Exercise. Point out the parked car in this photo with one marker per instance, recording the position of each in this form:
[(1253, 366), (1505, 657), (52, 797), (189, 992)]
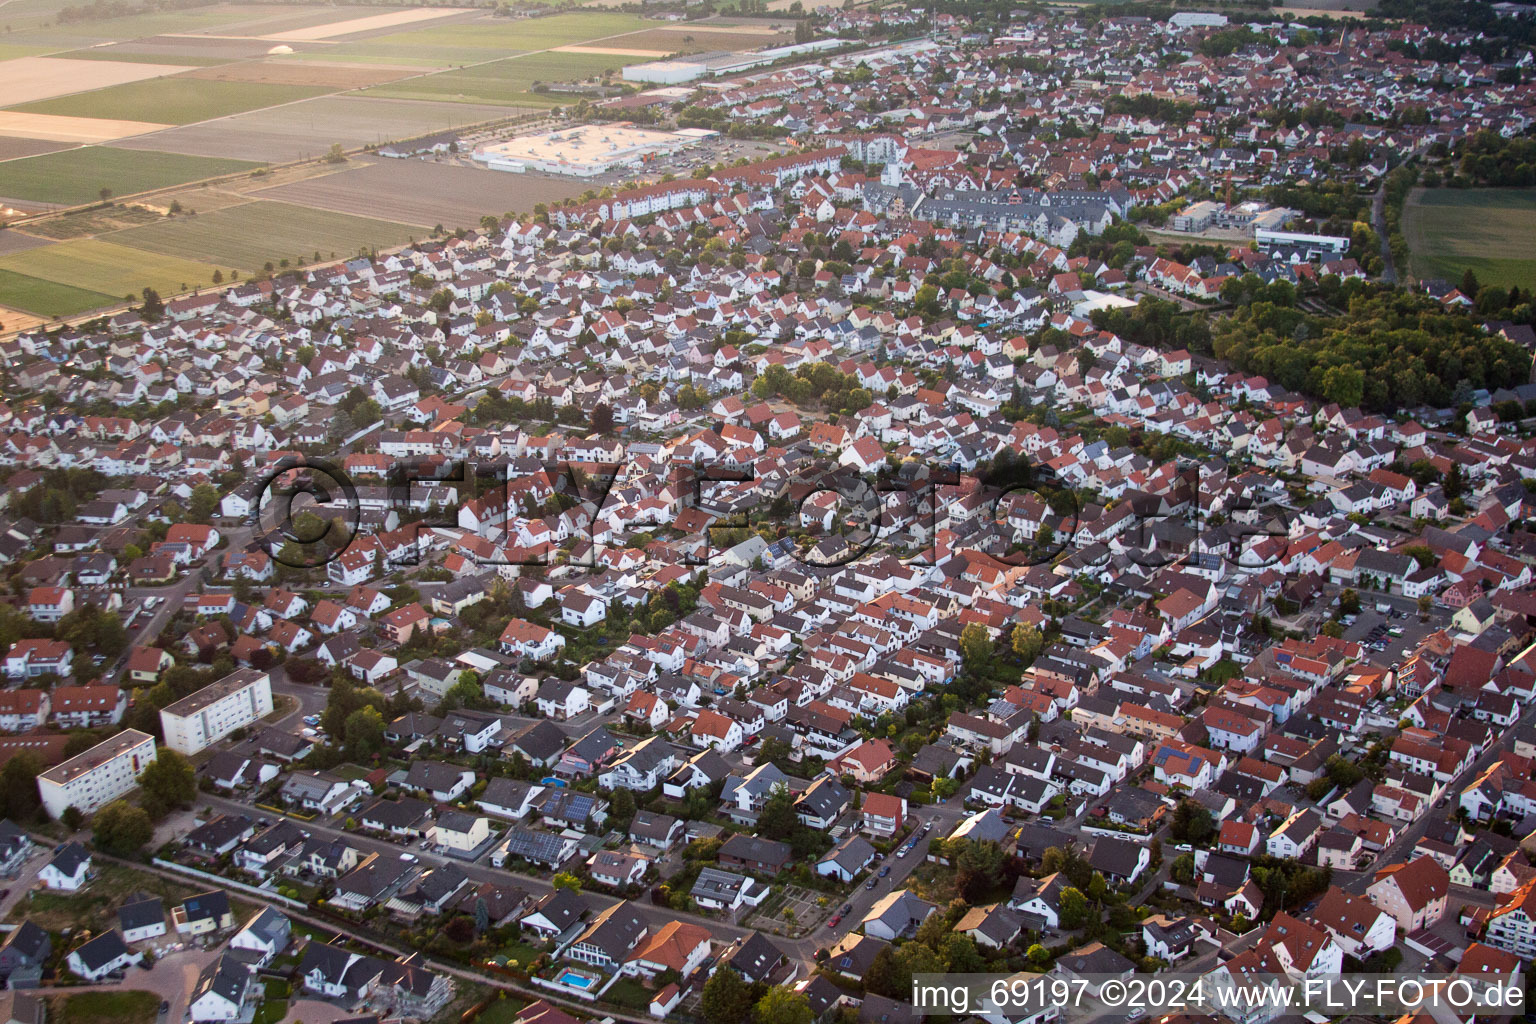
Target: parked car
[(885, 871), (869, 884)]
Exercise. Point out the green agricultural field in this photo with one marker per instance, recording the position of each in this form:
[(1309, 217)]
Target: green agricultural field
[(507, 81), (111, 269), (190, 60), (174, 100), (46, 298), (78, 175), (466, 42), (247, 237), (1486, 229)]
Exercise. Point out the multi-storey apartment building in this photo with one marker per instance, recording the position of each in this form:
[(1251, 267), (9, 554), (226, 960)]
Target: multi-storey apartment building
[(100, 775), (197, 721)]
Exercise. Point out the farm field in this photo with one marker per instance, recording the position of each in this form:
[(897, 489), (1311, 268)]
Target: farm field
[(16, 241), (466, 42), (30, 79), (1486, 230), (12, 148), (307, 129), (247, 237), (426, 193), (699, 39), (179, 100), (365, 23), (46, 298), (506, 81), (78, 175), (184, 60), (101, 266), (189, 50), (322, 76)]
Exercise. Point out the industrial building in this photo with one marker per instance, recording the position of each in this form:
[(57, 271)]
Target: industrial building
[(721, 62)]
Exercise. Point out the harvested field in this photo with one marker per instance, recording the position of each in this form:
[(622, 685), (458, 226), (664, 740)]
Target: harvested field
[(611, 51), (41, 78), (308, 129), (179, 100), (698, 40), (247, 237), (326, 76), (11, 148), (183, 60), (46, 298), (487, 38), (506, 81), (265, 19), (78, 175), (101, 266), (55, 128), (181, 49), (15, 241), (426, 193), (15, 320), (370, 23)]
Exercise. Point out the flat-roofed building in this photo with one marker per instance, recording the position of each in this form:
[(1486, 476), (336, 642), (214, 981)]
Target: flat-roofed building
[(197, 721), (98, 776)]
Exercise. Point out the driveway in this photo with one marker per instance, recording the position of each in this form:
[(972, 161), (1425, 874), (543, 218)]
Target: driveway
[(171, 979), (315, 1011)]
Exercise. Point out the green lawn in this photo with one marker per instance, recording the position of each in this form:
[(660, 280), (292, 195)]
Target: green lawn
[(115, 1007), (506, 81), (1489, 230), (173, 100), (111, 269), (246, 237), (46, 298), (501, 1011), (74, 176)]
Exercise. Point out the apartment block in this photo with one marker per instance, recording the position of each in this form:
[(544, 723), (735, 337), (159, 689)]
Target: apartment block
[(100, 775), (197, 721)]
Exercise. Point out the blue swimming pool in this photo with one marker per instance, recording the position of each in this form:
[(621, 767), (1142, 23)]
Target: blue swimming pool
[(573, 980)]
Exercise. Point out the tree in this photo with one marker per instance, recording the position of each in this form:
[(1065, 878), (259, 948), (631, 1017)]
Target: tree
[(1074, 908), (168, 783), (1027, 642), (18, 787), (153, 308), (363, 732), (1192, 823), (205, 499), (978, 867), (1038, 955), (566, 880), (783, 1005), (602, 418), (1182, 869), (72, 818), (975, 645), (122, 829), (335, 155), (777, 818), (622, 807), (726, 998)]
